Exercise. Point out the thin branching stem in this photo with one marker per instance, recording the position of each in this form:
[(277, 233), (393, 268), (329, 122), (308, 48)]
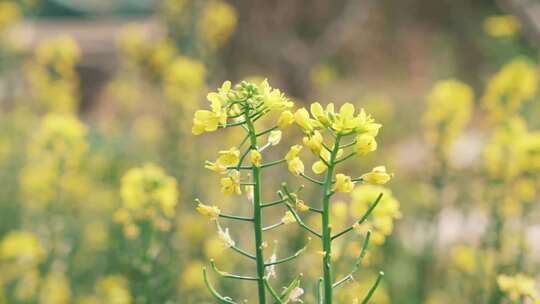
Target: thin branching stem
[(236, 217), (267, 131), (220, 298), (231, 276), (292, 257), (311, 179), (243, 252), (373, 288), (270, 164), (363, 218), (273, 203), (273, 226), (345, 158)]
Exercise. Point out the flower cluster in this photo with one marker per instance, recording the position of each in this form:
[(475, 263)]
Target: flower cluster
[(55, 152), (508, 89), (230, 103), (52, 75), (450, 105), (9, 14), (518, 286), (147, 194), (342, 123), (217, 23)]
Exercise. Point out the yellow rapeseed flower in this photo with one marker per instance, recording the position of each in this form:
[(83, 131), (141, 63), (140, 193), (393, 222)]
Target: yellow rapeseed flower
[(9, 14), (210, 211), (449, 109), (217, 23), (256, 157), (285, 119), (501, 26), (231, 184), (113, 289), (515, 83), (517, 286), (377, 176), (365, 143), (343, 183), (147, 189)]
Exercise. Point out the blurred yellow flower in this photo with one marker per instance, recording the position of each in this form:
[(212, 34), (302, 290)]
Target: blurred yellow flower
[(464, 258), (515, 83), (449, 109), (382, 217), (184, 82), (52, 74), (147, 189), (501, 26), (517, 286), (55, 289), (22, 248), (9, 14), (113, 289), (217, 23)]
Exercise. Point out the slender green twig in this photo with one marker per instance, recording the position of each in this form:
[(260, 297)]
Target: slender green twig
[(270, 164), (273, 226), (363, 218), (272, 291), (220, 298), (345, 158), (236, 217), (295, 255), (273, 203), (311, 179), (267, 131), (298, 219), (229, 275), (373, 288), (243, 252)]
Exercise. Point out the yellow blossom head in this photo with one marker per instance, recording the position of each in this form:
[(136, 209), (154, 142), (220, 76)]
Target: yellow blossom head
[(377, 176)]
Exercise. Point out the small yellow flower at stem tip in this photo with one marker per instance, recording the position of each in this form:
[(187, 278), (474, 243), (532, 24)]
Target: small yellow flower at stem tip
[(343, 183), (318, 167), (314, 142), (293, 152), (231, 184), (288, 218), (256, 158), (301, 206), (296, 166), (365, 143), (211, 212), (377, 176), (302, 119), (285, 119)]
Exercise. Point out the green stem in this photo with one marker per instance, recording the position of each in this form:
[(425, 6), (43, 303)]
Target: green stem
[(257, 214), (326, 227)]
